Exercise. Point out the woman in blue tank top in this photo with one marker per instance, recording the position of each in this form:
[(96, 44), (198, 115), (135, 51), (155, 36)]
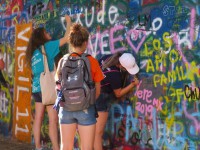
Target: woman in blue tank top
[(34, 58)]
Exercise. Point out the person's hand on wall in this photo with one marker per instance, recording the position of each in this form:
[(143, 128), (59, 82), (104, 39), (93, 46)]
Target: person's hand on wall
[(68, 25), (67, 18), (135, 81)]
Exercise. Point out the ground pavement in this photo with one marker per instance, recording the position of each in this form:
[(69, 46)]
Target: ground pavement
[(12, 144)]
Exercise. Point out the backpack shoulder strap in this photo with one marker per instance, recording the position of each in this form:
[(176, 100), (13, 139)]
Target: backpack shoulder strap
[(61, 64), (65, 58), (84, 56)]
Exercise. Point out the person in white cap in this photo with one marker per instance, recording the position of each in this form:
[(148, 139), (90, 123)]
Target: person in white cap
[(113, 67)]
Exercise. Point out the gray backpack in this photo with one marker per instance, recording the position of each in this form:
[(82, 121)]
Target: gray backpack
[(77, 87)]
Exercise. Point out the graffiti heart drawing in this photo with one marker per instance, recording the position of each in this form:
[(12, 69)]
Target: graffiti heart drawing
[(135, 35)]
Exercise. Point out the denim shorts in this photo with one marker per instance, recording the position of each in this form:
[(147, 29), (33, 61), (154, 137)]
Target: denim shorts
[(83, 117), (37, 97), (103, 103)]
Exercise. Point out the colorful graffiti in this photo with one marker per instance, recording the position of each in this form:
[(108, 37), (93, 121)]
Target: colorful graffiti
[(164, 36)]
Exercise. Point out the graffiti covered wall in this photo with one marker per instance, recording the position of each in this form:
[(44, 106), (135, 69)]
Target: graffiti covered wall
[(163, 35)]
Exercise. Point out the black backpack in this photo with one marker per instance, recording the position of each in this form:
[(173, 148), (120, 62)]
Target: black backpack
[(77, 87)]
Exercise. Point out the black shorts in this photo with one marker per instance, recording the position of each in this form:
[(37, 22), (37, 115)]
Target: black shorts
[(103, 103), (37, 97)]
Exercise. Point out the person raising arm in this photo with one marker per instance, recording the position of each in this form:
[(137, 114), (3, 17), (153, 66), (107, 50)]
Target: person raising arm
[(34, 58)]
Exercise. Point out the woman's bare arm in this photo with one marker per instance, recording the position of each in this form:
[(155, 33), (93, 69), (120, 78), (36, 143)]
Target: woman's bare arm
[(65, 39)]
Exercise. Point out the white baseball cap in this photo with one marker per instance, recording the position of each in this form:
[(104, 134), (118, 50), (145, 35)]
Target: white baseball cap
[(128, 61)]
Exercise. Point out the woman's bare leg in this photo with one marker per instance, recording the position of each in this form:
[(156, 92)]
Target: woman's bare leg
[(100, 126), (38, 119), (87, 134), (53, 126), (67, 133)]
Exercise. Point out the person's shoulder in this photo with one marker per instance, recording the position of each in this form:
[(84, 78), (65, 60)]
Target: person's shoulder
[(92, 59), (49, 43), (64, 57), (90, 56)]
